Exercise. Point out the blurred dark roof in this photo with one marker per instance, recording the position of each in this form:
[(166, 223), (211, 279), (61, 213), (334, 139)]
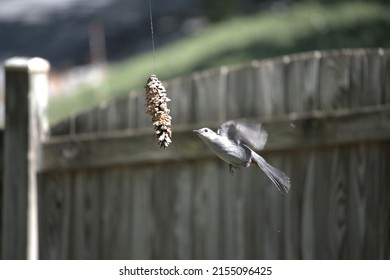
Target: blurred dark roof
[(58, 30)]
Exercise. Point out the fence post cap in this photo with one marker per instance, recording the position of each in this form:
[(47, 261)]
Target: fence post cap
[(16, 63), (35, 64)]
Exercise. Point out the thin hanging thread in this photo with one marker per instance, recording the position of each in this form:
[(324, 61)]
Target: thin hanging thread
[(151, 29)]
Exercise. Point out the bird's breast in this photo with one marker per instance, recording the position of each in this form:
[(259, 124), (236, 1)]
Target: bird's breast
[(230, 152)]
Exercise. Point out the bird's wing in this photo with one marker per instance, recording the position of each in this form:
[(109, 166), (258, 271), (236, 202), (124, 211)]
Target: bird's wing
[(249, 133)]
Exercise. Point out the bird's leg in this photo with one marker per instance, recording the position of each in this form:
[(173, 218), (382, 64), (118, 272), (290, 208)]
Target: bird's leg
[(231, 167)]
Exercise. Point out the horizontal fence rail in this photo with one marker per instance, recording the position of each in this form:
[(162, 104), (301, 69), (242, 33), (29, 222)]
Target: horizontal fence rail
[(290, 133)]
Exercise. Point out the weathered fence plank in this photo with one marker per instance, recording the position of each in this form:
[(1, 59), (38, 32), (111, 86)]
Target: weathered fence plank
[(206, 206), (183, 180), (56, 215), (86, 228), (116, 202), (142, 217)]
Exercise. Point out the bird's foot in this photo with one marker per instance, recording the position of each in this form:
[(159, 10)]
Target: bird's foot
[(231, 169)]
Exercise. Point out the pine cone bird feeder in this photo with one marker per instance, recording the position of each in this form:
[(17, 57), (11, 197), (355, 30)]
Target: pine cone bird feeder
[(156, 106)]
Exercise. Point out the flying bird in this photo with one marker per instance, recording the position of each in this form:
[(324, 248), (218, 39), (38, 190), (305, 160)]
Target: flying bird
[(235, 142)]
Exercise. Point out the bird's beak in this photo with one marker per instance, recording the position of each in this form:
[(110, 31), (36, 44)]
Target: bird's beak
[(196, 130)]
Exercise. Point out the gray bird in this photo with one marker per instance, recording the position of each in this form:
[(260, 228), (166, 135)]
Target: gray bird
[(231, 143)]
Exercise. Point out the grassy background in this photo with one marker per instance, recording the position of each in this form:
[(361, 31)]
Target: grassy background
[(303, 27)]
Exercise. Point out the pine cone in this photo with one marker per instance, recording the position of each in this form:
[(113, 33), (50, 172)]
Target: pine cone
[(156, 106)]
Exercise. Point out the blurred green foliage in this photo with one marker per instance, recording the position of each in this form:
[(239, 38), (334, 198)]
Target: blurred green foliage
[(303, 27)]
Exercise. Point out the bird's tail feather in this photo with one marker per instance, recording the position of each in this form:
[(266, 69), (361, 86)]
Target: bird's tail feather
[(278, 177)]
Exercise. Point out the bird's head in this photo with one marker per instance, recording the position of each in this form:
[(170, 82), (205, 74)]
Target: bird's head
[(205, 133)]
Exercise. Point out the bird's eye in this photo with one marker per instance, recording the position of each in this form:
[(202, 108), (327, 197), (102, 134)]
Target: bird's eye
[(206, 130)]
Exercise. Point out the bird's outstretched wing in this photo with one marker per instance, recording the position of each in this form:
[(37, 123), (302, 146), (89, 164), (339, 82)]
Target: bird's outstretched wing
[(249, 133)]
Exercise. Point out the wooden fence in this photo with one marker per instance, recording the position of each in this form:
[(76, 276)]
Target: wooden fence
[(106, 191)]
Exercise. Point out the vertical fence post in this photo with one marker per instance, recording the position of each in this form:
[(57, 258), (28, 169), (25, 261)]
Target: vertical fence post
[(26, 95)]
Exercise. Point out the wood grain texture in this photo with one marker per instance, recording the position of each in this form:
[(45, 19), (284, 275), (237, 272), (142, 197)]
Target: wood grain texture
[(16, 179), (183, 181), (194, 209), (116, 213), (55, 215)]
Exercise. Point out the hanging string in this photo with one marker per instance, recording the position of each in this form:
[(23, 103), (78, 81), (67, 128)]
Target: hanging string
[(157, 101), (151, 30)]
